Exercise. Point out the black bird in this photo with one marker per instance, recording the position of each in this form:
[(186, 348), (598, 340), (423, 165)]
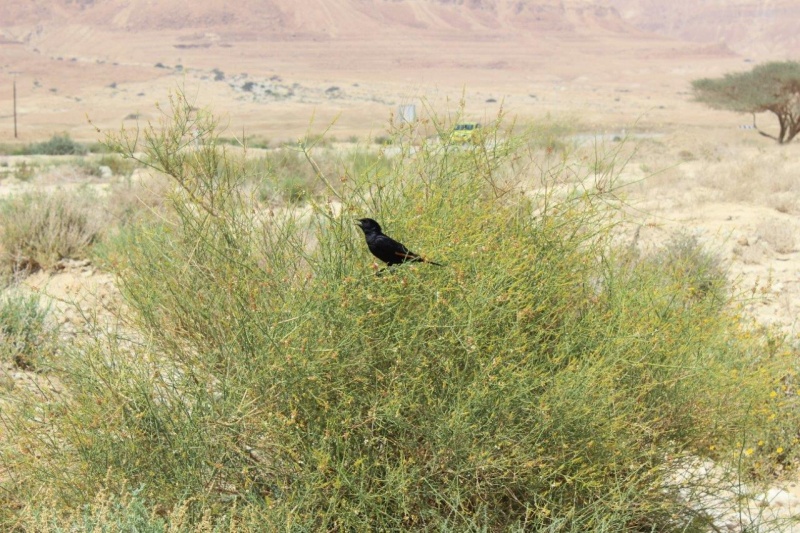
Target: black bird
[(385, 248)]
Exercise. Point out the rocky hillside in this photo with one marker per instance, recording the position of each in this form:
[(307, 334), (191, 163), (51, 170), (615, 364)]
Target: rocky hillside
[(330, 18), (747, 26), (750, 27), (143, 32)]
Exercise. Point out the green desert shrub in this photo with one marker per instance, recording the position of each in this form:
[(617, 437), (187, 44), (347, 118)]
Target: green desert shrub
[(693, 271), (286, 175), (551, 135), (25, 336), (25, 171), (59, 144), (118, 165), (270, 375)]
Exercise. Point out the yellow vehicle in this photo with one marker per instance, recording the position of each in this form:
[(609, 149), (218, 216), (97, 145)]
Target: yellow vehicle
[(465, 132)]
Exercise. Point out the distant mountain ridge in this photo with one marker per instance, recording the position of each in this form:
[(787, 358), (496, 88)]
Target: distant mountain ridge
[(761, 27), (326, 17), (745, 26)]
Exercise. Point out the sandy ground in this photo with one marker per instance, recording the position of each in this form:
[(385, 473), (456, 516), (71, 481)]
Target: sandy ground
[(278, 88)]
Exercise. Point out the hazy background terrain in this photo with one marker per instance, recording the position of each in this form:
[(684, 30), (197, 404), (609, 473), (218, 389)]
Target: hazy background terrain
[(270, 65)]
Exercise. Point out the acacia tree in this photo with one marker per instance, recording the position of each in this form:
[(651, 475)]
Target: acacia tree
[(771, 87)]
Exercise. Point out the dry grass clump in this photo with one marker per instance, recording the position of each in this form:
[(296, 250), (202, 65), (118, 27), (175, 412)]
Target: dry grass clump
[(781, 235), (543, 380), (39, 229), (759, 177), (137, 200)]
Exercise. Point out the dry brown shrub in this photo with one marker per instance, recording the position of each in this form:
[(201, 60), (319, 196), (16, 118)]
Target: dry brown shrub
[(779, 235), (39, 229)]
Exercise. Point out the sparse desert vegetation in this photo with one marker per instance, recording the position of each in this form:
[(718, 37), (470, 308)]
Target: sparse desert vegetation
[(568, 369), (770, 87)]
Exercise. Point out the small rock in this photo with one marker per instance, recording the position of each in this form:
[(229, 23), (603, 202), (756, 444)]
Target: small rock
[(780, 499), (68, 263)]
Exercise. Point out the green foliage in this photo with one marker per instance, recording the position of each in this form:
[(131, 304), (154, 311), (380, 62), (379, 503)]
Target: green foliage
[(250, 141), (39, 229), (25, 337), (549, 135), (286, 174), (96, 148), (25, 171), (136, 203), (126, 512), (383, 140), (283, 174), (57, 145), (773, 87), (119, 166), (543, 380), (692, 272)]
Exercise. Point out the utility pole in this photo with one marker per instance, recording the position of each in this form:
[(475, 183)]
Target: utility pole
[(15, 106), (14, 84)]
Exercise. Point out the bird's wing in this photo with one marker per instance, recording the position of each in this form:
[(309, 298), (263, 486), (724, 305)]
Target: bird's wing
[(400, 250), (391, 251), (406, 254)]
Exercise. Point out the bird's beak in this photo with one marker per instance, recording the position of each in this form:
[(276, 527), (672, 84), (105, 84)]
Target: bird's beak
[(358, 223)]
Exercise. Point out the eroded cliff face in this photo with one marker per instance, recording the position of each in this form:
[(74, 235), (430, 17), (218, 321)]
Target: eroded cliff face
[(743, 25), (746, 26)]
